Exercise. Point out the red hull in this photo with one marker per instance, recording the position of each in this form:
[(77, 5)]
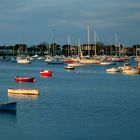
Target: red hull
[(25, 79), (45, 74), (68, 61)]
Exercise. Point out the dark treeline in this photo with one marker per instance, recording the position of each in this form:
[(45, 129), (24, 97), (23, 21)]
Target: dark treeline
[(53, 49)]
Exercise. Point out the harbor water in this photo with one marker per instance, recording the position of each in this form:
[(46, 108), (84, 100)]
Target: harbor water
[(82, 104)]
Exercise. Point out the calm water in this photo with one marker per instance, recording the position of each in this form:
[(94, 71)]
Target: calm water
[(84, 104)]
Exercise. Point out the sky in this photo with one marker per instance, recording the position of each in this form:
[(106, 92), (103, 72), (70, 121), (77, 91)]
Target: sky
[(36, 21)]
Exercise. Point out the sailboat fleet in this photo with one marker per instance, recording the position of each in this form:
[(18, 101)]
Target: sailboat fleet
[(81, 60)]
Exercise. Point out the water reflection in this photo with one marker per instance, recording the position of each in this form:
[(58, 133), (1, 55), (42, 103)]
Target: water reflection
[(22, 97), (8, 117)]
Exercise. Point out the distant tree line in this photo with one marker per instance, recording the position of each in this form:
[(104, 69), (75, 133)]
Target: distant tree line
[(53, 49)]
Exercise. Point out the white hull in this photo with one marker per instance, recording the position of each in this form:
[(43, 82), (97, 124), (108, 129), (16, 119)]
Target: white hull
[(23, 61), (132, 71), (113, 70)]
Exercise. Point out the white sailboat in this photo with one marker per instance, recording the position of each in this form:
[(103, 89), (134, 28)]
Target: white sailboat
[(22, 58)]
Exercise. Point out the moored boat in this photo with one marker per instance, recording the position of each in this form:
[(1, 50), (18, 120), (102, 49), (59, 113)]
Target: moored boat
[(25, 79), (68, 61), (112, 70), (46, 73), (126, 66), (23, 91), (107, 63), (132, 71), (55, 62), (23, 60), (8, 106), (76, 64), (69, 67)]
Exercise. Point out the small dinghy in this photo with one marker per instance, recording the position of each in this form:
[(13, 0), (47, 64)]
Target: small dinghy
[(8, 106)]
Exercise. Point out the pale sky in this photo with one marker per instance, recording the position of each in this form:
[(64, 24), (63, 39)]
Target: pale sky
[(35, 21)]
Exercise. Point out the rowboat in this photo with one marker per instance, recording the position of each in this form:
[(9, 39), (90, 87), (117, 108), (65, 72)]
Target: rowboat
[(45, 73), (8, 106), (25, 79), (23, 91)]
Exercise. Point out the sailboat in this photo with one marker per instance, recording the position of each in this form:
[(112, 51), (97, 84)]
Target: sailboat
[(88, 60), (21, 58)]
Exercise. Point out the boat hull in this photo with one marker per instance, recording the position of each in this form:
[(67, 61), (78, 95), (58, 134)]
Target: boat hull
[(132, 71), (11, 106), (46, 74), (25, 79), (69, 67), (23, 91)]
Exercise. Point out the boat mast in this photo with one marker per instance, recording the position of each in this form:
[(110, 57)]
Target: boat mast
[(88, 41), (69, 45), (53, 47), (116, 40), (95, 43), (79, 49)]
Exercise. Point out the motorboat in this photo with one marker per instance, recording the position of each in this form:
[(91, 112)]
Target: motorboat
[(8, 106), (112, 70), (76, 64), (69, 67), (46, 73), (107, 63), (126, 66), (23, 60), (25, 79), (23, 91), (132, 71)]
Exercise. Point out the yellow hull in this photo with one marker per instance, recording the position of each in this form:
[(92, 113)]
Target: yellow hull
[(23, 91), (89, 61)]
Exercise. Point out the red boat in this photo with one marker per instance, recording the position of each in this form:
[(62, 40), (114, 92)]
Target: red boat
[(45, 73), (25, 79), (68, 61)]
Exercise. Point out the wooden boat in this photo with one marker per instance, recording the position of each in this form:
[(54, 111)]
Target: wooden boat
[(45, 73), (8, 106), (112, 70), (23, 91), (69, 67), (25, 79), (132, 71)]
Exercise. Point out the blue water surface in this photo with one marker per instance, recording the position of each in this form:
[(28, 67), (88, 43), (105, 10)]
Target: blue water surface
[(84, 104)]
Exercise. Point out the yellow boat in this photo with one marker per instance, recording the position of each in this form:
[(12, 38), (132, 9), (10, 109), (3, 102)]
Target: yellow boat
[(23, 91)]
